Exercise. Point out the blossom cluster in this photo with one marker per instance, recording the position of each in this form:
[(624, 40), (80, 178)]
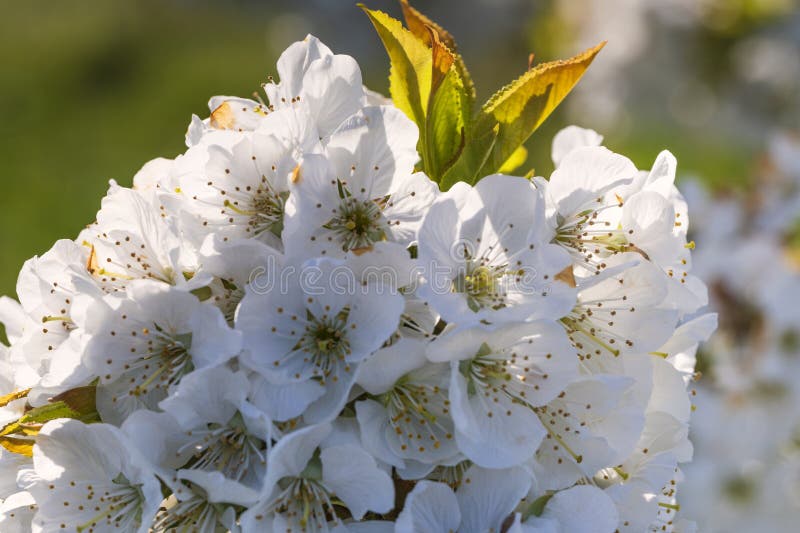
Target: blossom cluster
[(745, 475), (288, 328)]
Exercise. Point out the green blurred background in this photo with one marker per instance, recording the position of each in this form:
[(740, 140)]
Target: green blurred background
[(92, 89)]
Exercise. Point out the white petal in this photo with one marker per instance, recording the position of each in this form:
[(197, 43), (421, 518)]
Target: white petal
[(582, 509), (210, 395), (492, 435), (10, 464), (512, 206), (375, 149), (411, 196), (572, 137), (336, 394), (16, 513), (662, 173), (682, 346), (651, 218), (220, 489), (430, 508), (379, 373), (289, 457), (213, 341), (333, 91), (158, 436), (284, 401), (669, 391), (458, 344), (372, 420), (488, 497), (437, 235), (12, 317), (375, 315), (293, 64), (586, 174), (233, 113), (351, 474)]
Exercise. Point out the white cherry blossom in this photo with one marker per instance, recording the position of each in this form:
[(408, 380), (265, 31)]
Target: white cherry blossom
[(142, 345), (17, 512), (208, 421), (242, 191), (90, 477), (484, 501), (498, 382), (311, 339), (362, 191), (482, 261), (289, 327), (580, 509), (408, 415), (306, 477)]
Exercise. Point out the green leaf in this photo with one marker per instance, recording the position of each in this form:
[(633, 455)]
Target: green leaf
[(472, 159), (425, 82), (81, 400), (448, 112), (29, 422), (48, 412), (20, 446), (19, 436), (17, 395), (522, 106), (420, 25), (411, 65), (537, 507), (516, 160), (429, 82)]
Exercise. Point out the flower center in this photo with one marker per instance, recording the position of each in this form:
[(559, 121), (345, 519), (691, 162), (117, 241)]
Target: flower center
[(165, 361), (119, 506), (228, 448), (482, 284), (591, 326), (269, 207), (194, 513), (304, 500), (504, 378), (358, 223), (325, 341), (483, 371), (590, 239), (418, 415), (451, 475), (266, 210)]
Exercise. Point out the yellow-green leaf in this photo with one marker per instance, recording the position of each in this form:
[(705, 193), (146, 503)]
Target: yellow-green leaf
[(18, 445), (45, 413), (536, 508), (516, 160), (17, 395), (81, 400), (521, 107), (473, 158), (51, 411), (411, 65), (448, 112), (425, 83), (78, 403), (420, 25), (442, 59)]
